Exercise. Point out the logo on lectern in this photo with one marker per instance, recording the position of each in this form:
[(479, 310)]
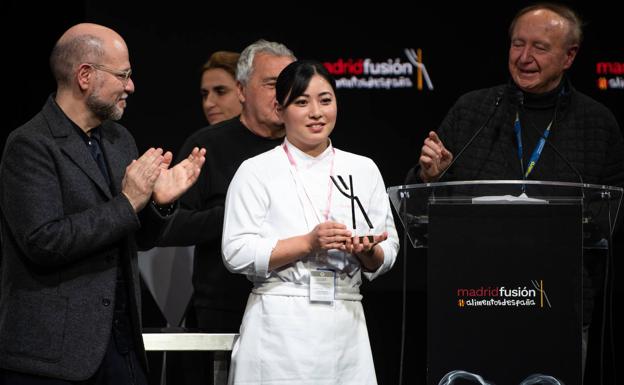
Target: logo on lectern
[(539, 286), (533, 296)]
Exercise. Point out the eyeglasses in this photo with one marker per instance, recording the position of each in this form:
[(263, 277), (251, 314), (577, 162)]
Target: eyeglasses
[(123, 76)]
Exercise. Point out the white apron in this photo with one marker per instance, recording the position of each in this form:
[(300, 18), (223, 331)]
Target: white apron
[(288, 340)]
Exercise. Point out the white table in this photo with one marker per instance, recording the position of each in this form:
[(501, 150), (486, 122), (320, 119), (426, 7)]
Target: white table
[(220, 344)]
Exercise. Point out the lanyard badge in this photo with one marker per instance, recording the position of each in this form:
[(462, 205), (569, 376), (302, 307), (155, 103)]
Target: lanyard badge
[(322, 285)]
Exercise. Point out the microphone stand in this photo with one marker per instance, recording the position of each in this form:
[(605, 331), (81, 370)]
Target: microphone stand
[(499, 97)]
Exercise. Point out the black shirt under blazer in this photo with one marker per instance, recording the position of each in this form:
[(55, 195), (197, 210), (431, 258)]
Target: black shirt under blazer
[(65, 232)]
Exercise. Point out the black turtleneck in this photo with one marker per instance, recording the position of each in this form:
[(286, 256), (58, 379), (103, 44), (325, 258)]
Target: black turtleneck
[(540, 108)]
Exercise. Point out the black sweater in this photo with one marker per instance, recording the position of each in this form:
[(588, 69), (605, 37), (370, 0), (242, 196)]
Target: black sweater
[(584, 131), (199, 220)]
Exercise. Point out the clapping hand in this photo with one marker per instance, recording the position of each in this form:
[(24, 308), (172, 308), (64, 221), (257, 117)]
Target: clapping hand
[(173, 182)]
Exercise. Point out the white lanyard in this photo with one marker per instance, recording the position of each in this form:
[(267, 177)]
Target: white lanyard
[(299, 181)]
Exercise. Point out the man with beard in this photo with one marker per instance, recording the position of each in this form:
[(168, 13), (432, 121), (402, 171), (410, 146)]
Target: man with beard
[(76, 202)]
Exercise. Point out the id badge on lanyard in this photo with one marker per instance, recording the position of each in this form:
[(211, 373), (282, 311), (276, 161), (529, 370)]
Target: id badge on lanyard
[(322, 285)]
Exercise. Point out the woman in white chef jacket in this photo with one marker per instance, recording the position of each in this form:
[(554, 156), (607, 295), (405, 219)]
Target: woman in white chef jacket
[(289, 228)]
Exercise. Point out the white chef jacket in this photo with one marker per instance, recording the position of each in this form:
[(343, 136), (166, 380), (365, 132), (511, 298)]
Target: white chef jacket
[(284, 337)]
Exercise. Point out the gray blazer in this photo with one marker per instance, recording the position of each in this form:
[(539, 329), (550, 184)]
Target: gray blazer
[(64, 234)]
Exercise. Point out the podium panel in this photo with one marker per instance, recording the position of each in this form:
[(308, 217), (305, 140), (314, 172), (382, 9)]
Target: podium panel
[(504, 291), (504, 274)]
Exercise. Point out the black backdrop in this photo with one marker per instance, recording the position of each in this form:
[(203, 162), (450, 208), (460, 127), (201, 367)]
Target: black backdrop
[(464, 47)]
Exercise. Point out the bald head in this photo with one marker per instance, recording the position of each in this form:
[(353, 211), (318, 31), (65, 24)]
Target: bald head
[(83, 43), (564, 17)]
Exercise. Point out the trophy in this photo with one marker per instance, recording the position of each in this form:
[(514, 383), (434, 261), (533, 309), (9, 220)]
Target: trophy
[(349, 193)]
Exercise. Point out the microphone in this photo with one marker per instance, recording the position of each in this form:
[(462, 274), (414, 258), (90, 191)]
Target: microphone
[(497, 102)]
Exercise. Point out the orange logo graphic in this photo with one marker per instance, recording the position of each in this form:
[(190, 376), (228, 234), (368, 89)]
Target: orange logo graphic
[(602, 83)]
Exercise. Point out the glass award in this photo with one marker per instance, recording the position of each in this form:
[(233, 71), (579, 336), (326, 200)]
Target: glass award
[(347, 190)]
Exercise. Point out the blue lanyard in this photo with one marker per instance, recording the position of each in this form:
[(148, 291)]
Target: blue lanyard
[(537, 151)]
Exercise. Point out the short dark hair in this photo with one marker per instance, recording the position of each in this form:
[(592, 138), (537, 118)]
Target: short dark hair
[(295, 78), (225, 60), (575, 34)]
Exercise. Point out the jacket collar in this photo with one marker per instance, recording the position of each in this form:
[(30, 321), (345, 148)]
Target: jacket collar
[(72, 144)]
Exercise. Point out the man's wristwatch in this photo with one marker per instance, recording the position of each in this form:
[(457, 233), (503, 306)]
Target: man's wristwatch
[(164, 210)]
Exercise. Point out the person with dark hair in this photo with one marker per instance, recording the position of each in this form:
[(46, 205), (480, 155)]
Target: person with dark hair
[(218, 87), (538, 103), (289, 229), (76, 202)]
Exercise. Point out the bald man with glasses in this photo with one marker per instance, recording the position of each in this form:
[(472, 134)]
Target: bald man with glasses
[(76, 202)]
